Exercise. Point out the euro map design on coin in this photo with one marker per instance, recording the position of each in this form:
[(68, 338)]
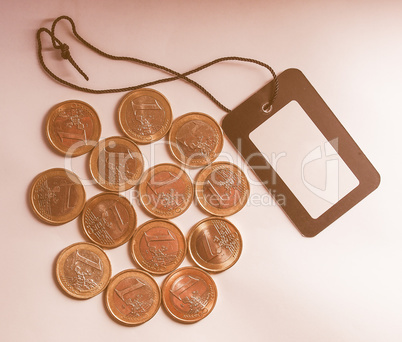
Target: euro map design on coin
[(166, 191), (73, 127), (145, 115), (222, 189), (133, 297), (189, 294), (195, 139), (108, 220), (116, 163), (57, 196), (215, 244), (158, 246), (83, 270)]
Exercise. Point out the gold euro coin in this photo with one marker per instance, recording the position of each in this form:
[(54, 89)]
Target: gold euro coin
[(158, 246), (166, 191), (222, 189), (195, 139), (116, 163), (189, 294), (145, 115), (57, 196), (108, 220), (133, 297), (214, 244), (83, 270), (73, 127)]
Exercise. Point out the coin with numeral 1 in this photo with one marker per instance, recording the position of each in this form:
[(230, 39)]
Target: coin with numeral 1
[(158, 246), (57, 196), (116, 163), (145, 115), (83, 270), (133, 297), (108, 220), (222, 189), (73, 127), (189, 294), (195, 139), (215, 244), (166, 191)]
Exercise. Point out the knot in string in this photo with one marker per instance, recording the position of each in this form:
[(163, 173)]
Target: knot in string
[(65, 54), (65, 51)]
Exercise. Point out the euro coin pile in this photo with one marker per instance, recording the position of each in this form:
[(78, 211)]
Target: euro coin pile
[(108, 220)]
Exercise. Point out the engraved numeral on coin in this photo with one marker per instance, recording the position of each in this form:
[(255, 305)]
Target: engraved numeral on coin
[(140, 113), (190, 282), (74, 121), (116, 163), (216, 192), (112, 156), (116, 214), (68, 196), (132, 288), (73, 136), (79, 258), (154, 187), (66, 199), (145, 106), (207, 240), (159, 238)]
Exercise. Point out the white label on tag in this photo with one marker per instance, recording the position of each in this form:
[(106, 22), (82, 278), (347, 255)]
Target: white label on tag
[(309, 165)]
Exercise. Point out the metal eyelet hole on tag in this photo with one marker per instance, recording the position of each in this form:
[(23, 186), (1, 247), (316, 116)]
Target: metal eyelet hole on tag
[(266, 108)]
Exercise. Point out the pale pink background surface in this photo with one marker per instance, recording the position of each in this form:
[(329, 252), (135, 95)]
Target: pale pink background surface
[(343, 285)]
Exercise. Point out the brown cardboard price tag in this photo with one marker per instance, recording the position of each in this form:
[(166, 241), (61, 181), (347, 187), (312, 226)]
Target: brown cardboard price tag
[(301, 153)]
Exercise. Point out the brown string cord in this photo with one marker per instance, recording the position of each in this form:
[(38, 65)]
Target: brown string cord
[(65, 54)]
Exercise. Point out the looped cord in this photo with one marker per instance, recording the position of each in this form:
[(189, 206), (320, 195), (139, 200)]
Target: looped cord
[(66, 54)]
